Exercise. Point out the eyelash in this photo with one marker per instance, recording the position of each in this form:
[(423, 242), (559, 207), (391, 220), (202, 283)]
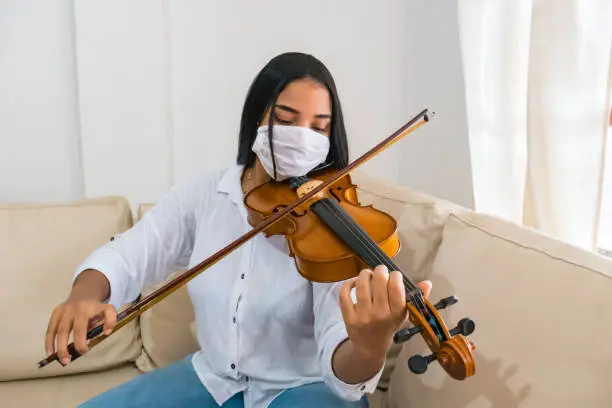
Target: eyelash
[(288, 122)]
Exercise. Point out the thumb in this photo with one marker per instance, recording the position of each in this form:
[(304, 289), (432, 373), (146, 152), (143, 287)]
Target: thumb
[(425, 287)]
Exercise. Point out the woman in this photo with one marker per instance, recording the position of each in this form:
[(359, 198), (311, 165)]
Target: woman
[(268, 337)]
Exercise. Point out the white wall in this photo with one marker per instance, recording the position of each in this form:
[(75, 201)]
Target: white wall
[(215, 56), (39, 123), (436, 159), (127, 145), (161, 86)]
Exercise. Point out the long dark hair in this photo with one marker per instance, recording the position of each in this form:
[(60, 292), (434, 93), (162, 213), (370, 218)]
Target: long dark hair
[(263, 93)]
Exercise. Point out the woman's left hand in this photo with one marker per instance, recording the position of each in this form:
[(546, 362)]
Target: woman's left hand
[(380, 310)]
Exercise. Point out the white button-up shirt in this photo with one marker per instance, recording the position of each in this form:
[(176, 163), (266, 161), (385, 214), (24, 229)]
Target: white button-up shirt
[(261, 326)]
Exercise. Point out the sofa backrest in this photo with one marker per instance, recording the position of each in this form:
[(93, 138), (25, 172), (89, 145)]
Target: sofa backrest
[(40, 247), (542, 310)]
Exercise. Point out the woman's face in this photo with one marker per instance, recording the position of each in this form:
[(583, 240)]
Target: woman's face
[(303, 102)]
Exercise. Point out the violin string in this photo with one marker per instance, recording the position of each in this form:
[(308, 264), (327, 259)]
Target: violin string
[(368, 244), (366, 241), (381, 258), (374, 250)]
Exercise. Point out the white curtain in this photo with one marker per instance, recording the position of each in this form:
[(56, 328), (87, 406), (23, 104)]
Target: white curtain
[(538, 77)]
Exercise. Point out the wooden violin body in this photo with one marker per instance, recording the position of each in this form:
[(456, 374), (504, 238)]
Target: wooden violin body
[(319, 255), (332, 238)]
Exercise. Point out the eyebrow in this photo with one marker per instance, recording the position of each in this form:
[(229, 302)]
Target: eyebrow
[(290, 109)]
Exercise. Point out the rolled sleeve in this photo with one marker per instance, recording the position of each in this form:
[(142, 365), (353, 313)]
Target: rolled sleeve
[(113, 266), (330, 332), (332, 339)]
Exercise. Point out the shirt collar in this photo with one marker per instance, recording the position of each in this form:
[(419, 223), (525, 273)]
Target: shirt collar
[(231, 184)]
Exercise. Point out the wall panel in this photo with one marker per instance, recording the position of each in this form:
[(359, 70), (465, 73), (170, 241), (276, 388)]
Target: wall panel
[(39, 126), (126, 135), (436, 158)]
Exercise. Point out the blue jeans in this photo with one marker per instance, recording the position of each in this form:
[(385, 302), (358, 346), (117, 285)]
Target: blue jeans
[(177, 385)]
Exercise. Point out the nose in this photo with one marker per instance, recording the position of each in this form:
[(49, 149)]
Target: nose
[(303, 122)]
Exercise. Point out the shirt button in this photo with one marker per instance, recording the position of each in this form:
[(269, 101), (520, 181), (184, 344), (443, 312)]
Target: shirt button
[(234, 319), (242, 276), (362, 387), (233, 366)]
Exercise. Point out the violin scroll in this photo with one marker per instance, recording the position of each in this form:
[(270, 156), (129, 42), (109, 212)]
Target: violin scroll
[(450, 348)]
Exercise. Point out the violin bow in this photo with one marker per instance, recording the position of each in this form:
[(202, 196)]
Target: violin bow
[(96, 335)]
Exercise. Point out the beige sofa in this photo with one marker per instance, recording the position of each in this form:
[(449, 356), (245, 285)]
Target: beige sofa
[(543, 309)]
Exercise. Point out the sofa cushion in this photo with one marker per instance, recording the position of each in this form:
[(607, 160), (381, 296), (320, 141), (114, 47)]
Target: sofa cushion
[(63, 392), (542, 310), (166, 330), (41, 247)]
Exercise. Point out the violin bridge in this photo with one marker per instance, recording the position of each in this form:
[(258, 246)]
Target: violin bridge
[(308, 187)]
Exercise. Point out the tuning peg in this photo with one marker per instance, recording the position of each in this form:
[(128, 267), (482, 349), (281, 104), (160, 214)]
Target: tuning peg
[(465, 326), (418, 364), (405, 334), (446, 302)]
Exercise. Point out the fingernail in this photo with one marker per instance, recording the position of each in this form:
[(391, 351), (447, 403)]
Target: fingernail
[(65, 360)]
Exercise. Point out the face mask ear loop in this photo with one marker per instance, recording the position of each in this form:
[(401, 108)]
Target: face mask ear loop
[(270, 125)]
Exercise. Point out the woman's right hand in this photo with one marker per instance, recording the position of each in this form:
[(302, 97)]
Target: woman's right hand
[(77, 314)]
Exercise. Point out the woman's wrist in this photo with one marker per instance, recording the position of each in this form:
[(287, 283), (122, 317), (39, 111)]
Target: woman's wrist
[(354, 365), (90, 284), (373, 357)]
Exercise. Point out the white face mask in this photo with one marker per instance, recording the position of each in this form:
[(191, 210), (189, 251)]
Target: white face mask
[(297, 150)]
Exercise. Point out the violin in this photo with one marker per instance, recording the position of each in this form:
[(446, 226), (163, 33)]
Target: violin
[(332, 237)]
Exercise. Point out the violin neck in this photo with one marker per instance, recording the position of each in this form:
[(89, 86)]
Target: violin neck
[(351, 233)]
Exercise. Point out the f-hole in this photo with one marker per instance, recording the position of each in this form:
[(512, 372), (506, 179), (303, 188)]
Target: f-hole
[(332, 192), (294, 213)]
